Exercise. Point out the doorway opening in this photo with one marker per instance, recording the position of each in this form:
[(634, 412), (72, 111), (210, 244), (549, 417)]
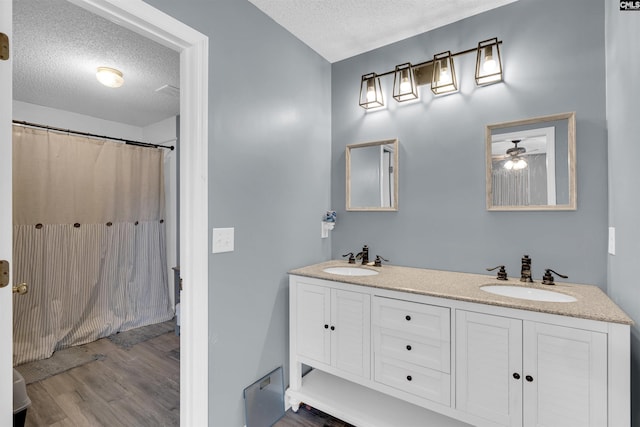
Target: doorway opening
[(193, 49)]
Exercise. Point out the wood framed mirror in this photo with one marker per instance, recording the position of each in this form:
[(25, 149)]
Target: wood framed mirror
[(531, 164), (372, 176)]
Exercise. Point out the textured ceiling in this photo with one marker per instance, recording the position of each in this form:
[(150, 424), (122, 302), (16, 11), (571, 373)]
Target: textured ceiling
[(339, 29), (58, 46)]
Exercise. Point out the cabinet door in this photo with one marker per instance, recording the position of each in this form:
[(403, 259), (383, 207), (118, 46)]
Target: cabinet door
[(488, 367), (351, 332), (313, 318), (565, 376)]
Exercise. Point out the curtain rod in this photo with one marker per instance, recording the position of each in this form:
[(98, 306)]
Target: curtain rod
[(126, 141)]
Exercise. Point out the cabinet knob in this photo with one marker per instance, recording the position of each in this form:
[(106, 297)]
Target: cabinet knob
[(409, 347), (529, 378), (409, 378), (407, 317), (326, 326), (333, 328), (516, 375)]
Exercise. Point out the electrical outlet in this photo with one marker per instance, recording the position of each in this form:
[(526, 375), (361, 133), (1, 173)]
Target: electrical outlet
[(222, 240), (612, 240)]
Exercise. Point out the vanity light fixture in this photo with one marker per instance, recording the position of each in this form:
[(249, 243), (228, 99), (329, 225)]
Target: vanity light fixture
[(404, 83), (488, 62), (371, 92), (443, 79), (109, 77), (438, 72)]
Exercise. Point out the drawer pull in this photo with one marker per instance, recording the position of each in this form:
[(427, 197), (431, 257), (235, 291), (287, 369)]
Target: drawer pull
[(407, 317), (409, 347), (409, 378), (516, 375)]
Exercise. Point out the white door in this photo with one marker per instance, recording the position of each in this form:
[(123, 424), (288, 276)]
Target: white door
[(488, 367), (565, 376), (6, 313), (351, 332), (313, 318)]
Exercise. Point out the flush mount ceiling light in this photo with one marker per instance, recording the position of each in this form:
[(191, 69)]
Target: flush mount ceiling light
[(110, 77), (488, 63), (371, 92), (438, 72), (404, 83)]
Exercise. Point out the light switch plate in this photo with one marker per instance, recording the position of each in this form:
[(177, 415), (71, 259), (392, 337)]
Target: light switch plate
[(222, 240)]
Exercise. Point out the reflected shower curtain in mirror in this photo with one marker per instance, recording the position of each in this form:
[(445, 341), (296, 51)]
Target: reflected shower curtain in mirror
[(524, 187), (89, 240)]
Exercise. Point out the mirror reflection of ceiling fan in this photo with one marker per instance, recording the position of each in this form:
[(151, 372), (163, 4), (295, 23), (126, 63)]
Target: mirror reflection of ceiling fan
[(514, 156)]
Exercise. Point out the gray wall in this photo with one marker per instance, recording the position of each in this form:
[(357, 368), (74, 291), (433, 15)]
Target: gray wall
[(269, 173), (553, 59), (623, 91)]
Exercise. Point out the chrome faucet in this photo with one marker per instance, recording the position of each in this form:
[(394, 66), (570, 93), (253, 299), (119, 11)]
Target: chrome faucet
[(364, 255), (525, 271)]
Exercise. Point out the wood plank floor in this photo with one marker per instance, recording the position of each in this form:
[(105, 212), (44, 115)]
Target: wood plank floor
[(309, 417), (138, 386), (127, 387)]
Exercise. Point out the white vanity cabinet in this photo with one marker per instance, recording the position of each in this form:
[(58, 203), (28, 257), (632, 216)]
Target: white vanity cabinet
[(411, 348), (333, 328), (524, 373)]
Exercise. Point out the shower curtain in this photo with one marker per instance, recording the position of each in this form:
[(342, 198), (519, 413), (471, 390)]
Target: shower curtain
[(89, 240)]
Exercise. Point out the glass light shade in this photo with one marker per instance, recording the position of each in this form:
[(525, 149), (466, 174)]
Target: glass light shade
[(444, 74), (110, 77), (404, 83), (371, 92), (488, 63), (519, 164), (516, 163)]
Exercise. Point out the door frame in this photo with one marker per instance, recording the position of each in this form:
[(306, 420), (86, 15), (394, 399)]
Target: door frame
[(6, 209), (193, 46)]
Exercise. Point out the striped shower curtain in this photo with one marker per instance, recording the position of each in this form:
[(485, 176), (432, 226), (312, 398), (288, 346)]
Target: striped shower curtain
[(89, 240)]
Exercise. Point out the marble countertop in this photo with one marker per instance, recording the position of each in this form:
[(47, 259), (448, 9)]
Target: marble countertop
[(592, 303)]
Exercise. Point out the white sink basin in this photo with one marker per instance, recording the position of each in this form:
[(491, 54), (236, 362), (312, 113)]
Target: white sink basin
[(350, 271), (522, 292)]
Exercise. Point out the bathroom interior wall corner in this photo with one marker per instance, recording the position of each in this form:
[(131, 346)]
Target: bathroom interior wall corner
[(442, 221), (623, 64), (269, 174)]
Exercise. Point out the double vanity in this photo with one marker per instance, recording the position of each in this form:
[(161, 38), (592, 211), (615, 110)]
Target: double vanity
[(399, 346)]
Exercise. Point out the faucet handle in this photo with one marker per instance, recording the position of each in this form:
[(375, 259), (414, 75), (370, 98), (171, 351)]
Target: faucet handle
[(378, 261), (547, 279), (502, 273), (352, 258)]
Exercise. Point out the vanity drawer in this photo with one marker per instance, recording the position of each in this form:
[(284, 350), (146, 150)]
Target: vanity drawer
[(422, 382), (424, 320), (425, 352)]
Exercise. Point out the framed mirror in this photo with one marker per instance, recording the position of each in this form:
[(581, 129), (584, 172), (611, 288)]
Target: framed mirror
[(372, 176), (531, 164)]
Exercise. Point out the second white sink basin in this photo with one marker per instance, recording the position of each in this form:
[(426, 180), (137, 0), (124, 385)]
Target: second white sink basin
[(350, 271), (522, 292)]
